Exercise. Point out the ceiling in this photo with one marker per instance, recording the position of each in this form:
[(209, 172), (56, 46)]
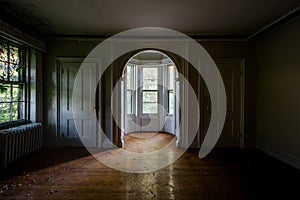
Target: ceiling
[(108, 17)]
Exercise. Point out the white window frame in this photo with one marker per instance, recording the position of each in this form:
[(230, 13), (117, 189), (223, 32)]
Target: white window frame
[(132, 89), (169, 89), (140, 100)]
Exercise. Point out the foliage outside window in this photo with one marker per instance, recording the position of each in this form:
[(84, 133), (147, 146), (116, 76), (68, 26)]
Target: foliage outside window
[(12, 83)]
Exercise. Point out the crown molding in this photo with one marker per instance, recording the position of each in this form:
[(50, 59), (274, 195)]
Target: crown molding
[(16, 35)]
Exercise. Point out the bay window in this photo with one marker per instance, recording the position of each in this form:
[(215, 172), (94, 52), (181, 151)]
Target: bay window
[(147, 87)]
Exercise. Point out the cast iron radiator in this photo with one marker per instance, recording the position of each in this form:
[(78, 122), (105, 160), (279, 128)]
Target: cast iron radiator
[(19, 141)]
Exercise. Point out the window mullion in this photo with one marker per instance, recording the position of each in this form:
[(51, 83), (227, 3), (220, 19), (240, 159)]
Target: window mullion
[(8, 63), (11, 103)]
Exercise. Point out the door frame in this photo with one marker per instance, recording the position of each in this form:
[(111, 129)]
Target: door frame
[(162, 74)]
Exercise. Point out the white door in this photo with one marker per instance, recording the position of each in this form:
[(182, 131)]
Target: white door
[(86, 124)]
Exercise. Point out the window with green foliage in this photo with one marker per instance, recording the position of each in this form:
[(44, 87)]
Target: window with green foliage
[(12, 82)]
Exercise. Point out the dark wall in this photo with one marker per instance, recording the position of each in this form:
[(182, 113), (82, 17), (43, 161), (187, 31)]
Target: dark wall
[(278, 96), (74, 48)]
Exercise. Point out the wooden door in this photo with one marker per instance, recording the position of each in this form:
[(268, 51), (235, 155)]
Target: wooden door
[(232, 72), (86, 125)]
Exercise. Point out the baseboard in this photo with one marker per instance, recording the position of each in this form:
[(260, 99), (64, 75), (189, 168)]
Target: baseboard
[(284, 156)]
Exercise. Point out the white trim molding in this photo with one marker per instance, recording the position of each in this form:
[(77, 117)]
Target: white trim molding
[(18, 36)]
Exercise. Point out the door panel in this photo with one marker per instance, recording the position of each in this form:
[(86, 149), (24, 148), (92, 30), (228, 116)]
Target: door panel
[(67, 125)]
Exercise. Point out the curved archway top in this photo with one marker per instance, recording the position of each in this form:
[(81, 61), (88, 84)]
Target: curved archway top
[(150, 57)]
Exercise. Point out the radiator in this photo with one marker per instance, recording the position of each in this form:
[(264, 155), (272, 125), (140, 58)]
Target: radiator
[(19, 141)]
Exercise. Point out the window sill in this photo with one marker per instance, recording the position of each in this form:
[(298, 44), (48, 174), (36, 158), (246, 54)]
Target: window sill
[(6, 125), (149, 116)]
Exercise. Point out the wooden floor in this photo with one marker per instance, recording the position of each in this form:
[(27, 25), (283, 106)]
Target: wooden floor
[(147, 142), (72, 173)]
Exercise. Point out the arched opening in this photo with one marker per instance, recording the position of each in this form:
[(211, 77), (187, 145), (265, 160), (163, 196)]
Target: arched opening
[(149, 104)]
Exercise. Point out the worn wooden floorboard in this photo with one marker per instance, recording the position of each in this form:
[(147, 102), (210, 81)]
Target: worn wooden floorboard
[(72, 173)]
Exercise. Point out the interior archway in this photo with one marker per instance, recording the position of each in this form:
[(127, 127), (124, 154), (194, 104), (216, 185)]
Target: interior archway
[(148, 95)]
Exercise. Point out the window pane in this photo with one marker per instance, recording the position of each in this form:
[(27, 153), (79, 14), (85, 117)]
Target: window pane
[(3, 71), (14, 75), (4, 112), (17, 93), (129, 102), (5, 94), (129, 77), (150, 96), (150, 84), (3, 52), (17, 110), (171, 77), (14, 55), (150, 73), (149, 107), (171, 102)]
